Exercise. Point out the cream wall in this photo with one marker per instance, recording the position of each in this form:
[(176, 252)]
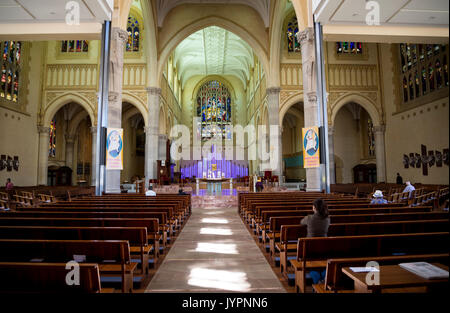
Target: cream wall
[(18, 132), (407, 131)]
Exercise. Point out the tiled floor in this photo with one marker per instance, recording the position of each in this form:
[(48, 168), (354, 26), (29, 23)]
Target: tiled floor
[(215, 253)]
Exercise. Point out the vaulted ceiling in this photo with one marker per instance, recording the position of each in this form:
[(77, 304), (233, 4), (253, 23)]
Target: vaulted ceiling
[(213, 51), (261, 6)]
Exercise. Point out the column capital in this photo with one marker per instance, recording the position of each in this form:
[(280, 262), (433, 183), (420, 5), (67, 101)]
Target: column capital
[(113, 96), (154, 91), (379, 129), (330, 130), (119, 35), (305, 36), (69, 138), (151, 130), (273, 90), (93, 130), (43, 130), (312, 96)]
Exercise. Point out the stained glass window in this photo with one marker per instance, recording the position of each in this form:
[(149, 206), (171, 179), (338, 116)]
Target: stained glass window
[(345, 47), (133, 34), (422, 69), (68, 46), (291, 32), (52, 140), (10, 70), (214, 110), (371, 137)]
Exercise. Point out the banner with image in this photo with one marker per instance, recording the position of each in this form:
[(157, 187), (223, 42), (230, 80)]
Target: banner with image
[(311, 150), (114, 149)]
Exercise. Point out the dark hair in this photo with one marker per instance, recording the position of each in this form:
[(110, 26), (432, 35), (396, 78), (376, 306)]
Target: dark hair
[(321, 208), (9, 179)]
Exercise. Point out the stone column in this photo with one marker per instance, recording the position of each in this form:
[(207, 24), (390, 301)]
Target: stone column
[(331, 153), (70, 140), (380, 152), (118, 39), (276, 149), (152, 134), (311, 107), (44, 137), (94, 154)]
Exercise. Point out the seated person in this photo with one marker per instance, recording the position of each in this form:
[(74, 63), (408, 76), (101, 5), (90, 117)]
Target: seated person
[(409, 188), (317, 225), (150, 192), (378, 198), (9, 184)]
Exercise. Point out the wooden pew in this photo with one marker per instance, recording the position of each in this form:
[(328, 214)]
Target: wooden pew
[(136, 237), (335, 281), (151, 224), (113, 256), (47, 278), (313, 253)]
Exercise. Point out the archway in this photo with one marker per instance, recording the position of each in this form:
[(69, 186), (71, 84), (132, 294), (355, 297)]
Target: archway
[(133, 124)]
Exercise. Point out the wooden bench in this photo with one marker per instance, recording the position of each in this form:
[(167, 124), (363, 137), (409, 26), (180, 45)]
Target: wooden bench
[(136, 237), (313, 253), (48, 278), (335, 281), (113, 256)]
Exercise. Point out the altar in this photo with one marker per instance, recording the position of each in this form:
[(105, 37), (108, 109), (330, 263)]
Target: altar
[(214, 184)]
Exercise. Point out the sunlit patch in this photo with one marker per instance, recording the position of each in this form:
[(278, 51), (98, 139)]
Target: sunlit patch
[(214, 213), (222, 248), (216, 231), (215, 220), (224, 280)]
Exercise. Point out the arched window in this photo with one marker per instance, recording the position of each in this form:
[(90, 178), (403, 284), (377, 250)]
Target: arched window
[(134, 34), (445, 71), (291, 33), (424, 81), (214, 110), (52, 140), (438, 74), (411, 87), (68, 46), (405, 90), (417, 84), (431, 76), (10, 65), (371, 137)]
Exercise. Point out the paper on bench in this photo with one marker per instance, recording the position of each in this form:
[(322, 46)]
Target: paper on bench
[(364, 269), (425, 270)]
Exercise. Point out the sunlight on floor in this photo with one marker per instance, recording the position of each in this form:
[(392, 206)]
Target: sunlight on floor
[(216, 231), (215, 220), (216, 248), (225, 280), (214, 213)]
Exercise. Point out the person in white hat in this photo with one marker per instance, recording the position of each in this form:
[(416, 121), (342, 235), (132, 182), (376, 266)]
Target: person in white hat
[(378, 198)]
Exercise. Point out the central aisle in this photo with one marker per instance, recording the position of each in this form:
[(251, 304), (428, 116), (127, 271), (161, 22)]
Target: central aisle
[(215, 253)]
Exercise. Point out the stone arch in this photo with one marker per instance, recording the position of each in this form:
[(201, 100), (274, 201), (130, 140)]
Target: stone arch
[(54, 106), (364, 102), (198, 25), (138, 104), (75, 122), (213, 77), (287, 104)]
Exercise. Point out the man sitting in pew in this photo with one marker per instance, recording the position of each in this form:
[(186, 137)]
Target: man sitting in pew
[(150, 192), (378, 198), (317, 226)]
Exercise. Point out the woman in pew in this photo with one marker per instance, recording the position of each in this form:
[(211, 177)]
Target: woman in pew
[(317, 225)]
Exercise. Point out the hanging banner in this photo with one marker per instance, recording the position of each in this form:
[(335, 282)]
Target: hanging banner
[(311, 153), (114, 149)]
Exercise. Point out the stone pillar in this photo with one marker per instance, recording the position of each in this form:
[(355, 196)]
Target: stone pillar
[(44, 137), (70, 140), (118, 39), (331, 153), (152, 134), (94, 154), (380, 152), (311, 107), (276, 149)]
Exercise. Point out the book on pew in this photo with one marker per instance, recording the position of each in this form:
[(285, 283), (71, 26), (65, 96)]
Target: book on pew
[(425, 270), (364, 269)]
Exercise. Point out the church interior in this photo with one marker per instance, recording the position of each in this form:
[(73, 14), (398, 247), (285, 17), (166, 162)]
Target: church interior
[(192, 146)]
